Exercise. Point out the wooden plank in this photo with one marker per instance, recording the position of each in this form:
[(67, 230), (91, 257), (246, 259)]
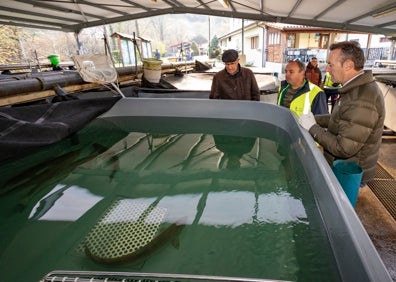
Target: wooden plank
[(40, 95)]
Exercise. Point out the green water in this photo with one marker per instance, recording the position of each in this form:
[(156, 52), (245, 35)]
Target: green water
[(243, 204)]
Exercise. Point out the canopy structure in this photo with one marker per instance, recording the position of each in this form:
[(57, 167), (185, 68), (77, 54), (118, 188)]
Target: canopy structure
[(376, 17)]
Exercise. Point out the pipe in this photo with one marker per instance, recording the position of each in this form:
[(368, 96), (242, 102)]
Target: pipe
[(33, 82)]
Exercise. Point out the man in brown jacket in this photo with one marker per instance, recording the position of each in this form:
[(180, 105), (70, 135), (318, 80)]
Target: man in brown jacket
[(353, 131), (234, 82)]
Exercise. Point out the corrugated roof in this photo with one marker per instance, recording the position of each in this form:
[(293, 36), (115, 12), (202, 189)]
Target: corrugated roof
[(73, 15)]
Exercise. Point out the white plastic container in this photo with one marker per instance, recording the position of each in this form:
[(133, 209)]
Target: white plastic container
[(152, 69)]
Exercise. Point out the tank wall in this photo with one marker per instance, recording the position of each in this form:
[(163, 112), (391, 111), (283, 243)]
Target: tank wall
[(356, 256)]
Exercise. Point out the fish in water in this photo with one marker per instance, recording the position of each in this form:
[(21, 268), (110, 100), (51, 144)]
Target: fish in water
[(168, 235)]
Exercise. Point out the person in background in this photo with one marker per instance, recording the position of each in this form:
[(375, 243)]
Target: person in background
[(331, 89), (234, 82), (313, 73), (353, 130), (187, 52), (157, 54), (299, 94)]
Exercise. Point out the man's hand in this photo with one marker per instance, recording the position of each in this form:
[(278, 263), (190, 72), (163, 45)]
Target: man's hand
[(307, 120)]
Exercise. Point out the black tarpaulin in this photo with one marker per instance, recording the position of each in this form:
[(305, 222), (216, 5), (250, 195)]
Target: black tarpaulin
[(25, 128)]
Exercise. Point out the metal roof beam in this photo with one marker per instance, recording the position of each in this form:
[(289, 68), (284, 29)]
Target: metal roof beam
[(298, 3), (255, 16), (23, 12), (369, 14), (85, 16), (137, 5), (329, 8), (106, 7), (30, 25), (202, 4), (57, 8)]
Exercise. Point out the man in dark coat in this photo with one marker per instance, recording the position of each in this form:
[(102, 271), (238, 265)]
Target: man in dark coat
[(354, 129), (234, 82)]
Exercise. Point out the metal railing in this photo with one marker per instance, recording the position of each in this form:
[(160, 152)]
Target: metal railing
[(99, 276)]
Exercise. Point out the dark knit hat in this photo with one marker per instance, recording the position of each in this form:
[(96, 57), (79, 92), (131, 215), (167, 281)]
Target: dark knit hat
[(229, 56)]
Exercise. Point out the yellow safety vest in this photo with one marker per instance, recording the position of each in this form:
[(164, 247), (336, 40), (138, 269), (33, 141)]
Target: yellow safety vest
[(301, 104), (328, 82)]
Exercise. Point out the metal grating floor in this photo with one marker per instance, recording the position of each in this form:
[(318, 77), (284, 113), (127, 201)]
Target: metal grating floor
[(384, 187), (381, 173)]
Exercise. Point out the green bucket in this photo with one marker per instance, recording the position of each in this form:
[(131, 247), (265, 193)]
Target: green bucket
[(54, 59), (349, 174)]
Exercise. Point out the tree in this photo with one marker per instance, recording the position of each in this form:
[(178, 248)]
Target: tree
[(29, 45), (194, 48), (92, 41), (214, 49), (10, 47)]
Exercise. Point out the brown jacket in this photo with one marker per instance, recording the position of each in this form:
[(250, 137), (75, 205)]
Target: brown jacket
[(354, 129), (240, 86)]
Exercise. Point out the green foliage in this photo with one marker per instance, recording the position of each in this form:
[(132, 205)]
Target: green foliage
[(28, 45), (194, 47), (117, 56), (214, 49), (32, 46), (10, 47)]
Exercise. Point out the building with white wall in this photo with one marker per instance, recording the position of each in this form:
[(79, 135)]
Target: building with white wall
[(271, 45)]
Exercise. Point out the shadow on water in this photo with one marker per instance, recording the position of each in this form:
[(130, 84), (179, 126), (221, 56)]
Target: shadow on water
[(233, 148)]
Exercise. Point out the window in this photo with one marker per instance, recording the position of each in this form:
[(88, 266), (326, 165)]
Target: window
[(274, 38), (291, 40), (324, 41), (254, 42)]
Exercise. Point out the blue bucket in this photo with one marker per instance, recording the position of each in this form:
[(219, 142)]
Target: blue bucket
[(349, 174)]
